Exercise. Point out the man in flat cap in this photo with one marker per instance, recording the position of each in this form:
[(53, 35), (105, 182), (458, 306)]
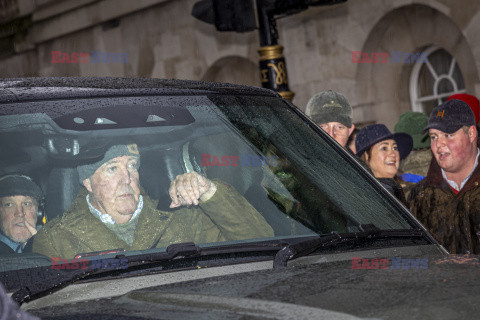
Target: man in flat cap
[(113, 211), (19, 200), (447, 201), (332, 112)]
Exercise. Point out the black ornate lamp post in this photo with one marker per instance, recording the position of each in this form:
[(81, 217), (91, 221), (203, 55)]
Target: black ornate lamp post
[(239, 16), (273, 69)]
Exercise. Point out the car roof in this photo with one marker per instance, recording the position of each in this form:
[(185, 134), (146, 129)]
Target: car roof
[(47, 88)]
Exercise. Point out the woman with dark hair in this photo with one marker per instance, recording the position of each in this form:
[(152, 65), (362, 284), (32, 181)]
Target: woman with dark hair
[(382, 151)]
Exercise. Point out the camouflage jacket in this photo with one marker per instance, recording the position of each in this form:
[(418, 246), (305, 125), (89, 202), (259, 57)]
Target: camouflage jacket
[(453, 219), (226, 216), (417, 162)]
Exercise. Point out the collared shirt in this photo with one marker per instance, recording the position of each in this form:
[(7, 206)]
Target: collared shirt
[(16, 246), (453, 184), (106, 218)]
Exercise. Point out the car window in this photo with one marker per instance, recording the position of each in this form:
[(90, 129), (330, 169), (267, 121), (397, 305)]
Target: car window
[(332, 194), (279, 178)]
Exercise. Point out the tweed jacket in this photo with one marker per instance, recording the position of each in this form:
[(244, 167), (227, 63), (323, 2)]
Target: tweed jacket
[(226, 216), (453, 219)]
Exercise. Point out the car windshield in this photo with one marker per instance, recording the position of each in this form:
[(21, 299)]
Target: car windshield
[(276, 178)]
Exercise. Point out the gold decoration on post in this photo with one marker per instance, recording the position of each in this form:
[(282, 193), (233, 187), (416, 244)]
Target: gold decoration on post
[(288, 95), (271, 52), (273, 70)]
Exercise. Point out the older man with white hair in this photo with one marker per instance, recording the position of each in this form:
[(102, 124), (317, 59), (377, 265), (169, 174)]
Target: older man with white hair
[(112, 211)]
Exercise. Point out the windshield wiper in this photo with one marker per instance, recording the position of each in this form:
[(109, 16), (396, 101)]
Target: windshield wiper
[(284, 253), (367, 231), (63, 278)]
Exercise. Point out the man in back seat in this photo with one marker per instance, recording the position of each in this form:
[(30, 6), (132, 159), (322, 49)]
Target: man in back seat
[(113, 211), (19, 201)]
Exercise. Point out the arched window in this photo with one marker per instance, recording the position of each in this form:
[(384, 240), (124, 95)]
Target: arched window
[(434, 79)]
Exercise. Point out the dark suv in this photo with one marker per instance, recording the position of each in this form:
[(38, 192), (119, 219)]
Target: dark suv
[(340, 245)]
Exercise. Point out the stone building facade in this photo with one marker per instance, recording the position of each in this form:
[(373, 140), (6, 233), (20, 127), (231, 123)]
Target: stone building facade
[(426, 49)]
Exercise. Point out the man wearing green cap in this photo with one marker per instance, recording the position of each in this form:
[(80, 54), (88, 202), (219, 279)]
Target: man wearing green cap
[(114, 212), (414, 168), (332, 112)]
